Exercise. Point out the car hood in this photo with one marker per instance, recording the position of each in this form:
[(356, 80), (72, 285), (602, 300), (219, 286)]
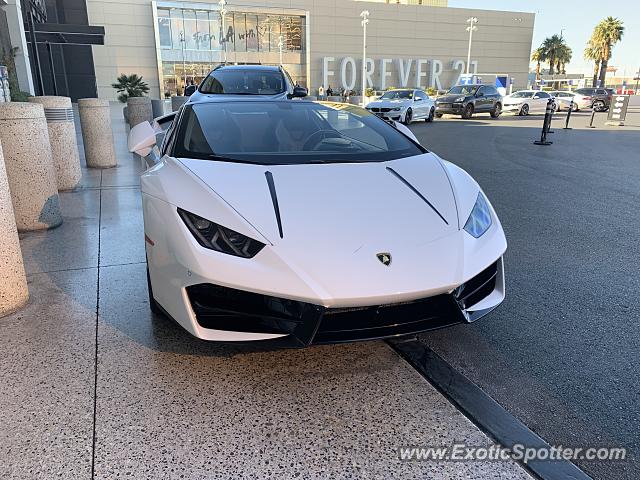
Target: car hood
[(451, 98), (390, 103), (340, 216)]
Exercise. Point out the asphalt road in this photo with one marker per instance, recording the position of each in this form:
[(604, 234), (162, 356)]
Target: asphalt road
[(562, 352)]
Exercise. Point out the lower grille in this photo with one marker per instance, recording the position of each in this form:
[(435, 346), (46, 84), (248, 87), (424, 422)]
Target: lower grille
[(221, 308), (478, 287), (385, 110)]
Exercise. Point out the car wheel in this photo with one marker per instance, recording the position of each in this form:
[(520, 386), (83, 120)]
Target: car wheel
[(599, 106), (468, 111), (407, 117), (439, 115), (430, 117), (575, 107), (524, 110), (497, 110), (153, 305)]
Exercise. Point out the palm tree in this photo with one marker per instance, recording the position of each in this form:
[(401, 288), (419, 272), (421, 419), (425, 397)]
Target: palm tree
[(606, 34), (564, 57), (538, 56), (130, 86), (553, 47), (592, 52)]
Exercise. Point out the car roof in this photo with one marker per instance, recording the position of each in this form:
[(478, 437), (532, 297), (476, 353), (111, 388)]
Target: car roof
[(269, 68)]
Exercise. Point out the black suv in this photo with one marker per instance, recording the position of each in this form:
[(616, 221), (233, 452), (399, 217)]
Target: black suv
[(465, 100), (600, 97)]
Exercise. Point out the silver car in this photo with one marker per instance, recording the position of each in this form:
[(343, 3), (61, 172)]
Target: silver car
[(404, 105)]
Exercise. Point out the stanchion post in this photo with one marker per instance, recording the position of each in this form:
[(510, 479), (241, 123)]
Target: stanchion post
[(566, 124), (550, 104), (593, 114), (545, 125)]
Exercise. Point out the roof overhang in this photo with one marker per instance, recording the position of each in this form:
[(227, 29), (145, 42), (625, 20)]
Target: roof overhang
[(67, 34)]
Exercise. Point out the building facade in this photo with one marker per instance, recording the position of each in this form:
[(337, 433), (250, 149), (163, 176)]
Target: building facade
[(169, 43)]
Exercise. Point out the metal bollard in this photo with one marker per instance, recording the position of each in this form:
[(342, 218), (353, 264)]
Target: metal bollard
[(550, 102), (546, 125), (566, 124), (593, 114)]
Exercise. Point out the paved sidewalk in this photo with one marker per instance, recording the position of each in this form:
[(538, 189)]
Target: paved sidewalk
[(94, 386)]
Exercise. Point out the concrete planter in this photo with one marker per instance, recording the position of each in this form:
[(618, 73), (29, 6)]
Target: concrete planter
[(125, 114), (310, 98), (355, 100), (157, 108), (177, 102), (13, 282), (29, 164), (97, 135), (62, 137), (334, 98), (139, 110)]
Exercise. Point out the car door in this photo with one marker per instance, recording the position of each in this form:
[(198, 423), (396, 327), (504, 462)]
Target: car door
[(419, 105), (482, 100)]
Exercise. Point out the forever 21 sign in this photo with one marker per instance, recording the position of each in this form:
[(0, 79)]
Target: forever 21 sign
[(409, 72)]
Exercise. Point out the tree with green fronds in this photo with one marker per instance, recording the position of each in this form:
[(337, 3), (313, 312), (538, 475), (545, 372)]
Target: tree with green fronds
[(563, 57), (538, 56), (130, 86), (553, 48), (605, 35), (593, 53)]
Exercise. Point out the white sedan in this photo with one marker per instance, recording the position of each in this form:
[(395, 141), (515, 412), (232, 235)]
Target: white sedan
[(563, 100), (311, 223), (525, 102), (404, 105)]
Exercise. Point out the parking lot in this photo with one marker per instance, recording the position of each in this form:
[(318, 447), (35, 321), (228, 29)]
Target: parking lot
[(559, 352), (95, 386)]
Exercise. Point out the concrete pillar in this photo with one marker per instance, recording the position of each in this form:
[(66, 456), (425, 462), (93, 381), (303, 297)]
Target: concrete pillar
[(29, 164), (177, 102), (97, 135), (139, 110), (13, 282), (15, 24), (62, 136)]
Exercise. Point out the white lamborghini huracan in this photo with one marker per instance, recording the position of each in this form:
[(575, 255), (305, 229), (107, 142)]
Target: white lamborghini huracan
[(311, 222)]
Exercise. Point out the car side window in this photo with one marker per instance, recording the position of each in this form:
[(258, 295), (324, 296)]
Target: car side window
[(417, 96), (481, 91), (542, 95), (492, 91)]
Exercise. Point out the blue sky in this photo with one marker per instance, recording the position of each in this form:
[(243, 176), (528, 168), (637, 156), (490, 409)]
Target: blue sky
[(577, 18)]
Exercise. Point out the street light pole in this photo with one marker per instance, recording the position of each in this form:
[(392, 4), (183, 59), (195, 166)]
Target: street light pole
[(365, 20), (223, 12), (472, 26), (280, 47), (184, 64)]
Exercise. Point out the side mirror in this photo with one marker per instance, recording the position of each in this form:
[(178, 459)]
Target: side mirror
[(299, 92), (142, 139)]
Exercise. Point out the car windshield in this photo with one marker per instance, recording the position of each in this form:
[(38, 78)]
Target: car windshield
[(287, 132), (244, 82), (463, 90), (397, 95), (523, 94)]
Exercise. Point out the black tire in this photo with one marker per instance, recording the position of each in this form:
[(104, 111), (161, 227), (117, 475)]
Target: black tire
[(439, 115), (153, 305), (497, 110), (575, 107), (599, 106), (468, 111), (524, 110), (429, 119), (408, 116)]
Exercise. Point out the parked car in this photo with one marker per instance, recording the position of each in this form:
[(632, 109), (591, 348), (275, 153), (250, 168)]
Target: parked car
[(525, 102), (263, 80), (600, 98), (564, 99), (311, 222), (404, 105), (466, 100)]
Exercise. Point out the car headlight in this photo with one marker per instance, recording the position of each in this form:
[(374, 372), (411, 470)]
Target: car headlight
[(459, 99), (479, 220), (221, 239), (397, 109)]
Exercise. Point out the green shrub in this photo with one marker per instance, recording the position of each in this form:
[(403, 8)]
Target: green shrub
[(130, 86)]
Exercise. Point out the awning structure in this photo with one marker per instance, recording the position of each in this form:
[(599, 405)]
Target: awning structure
[(67, 34)]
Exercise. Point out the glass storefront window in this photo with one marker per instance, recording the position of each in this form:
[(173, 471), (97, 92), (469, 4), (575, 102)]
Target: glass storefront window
[(263, 33), (203, 35), (240, 32), (274, 23), (226, 33), (292, 31), (164, 28), (177, 28), (251, 23), (190, 29)]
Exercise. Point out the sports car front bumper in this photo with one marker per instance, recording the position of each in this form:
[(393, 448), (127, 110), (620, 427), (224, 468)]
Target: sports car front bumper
[(300, 324)]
